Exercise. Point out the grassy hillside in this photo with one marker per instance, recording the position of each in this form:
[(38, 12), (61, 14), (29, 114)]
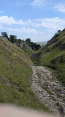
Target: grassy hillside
[(28, 50), (15, 77), (34, 55), (53, 55)]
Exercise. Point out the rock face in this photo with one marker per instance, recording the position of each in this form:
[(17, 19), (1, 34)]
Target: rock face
[(48, 89)]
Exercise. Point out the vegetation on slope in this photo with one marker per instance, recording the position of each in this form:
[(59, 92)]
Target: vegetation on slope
[(34, 46), (28, 50), (21, 43), (15, 77), (53, 55)]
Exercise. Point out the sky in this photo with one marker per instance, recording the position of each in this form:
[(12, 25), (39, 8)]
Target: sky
[(38, 20)]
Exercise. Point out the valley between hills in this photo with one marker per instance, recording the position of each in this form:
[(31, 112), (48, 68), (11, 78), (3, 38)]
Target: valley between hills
[(34, 79)]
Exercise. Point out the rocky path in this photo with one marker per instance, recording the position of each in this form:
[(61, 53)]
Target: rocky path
[(48, 89)]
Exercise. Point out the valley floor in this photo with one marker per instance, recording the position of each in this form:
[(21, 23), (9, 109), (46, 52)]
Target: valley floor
[(48, 89)]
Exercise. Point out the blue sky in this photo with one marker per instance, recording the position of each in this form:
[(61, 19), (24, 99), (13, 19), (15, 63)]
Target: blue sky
[(38, 20)]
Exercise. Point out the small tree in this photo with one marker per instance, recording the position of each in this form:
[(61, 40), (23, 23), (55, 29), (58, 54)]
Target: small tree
[(19, 41), (58, 31), (4, 34), (28, 40), (12, 38)]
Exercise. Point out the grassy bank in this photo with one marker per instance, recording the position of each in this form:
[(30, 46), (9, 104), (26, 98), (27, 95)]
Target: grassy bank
[(53, 55), (15, 77)]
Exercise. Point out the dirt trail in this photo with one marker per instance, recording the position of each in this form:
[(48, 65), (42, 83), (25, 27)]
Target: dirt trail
[(47, 89)]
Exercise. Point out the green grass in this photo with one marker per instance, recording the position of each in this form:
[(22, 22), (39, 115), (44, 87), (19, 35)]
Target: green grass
[(28, 50), (15, 77), (30, 53), (53, 56)]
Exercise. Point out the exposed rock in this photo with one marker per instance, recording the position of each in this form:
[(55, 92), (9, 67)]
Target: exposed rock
[(48, 89)]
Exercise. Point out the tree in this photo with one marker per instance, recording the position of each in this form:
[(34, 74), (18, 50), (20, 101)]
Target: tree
[(19, 41), (58, 31), (12, 38), (28, 40), (4, 34), (34, 46)]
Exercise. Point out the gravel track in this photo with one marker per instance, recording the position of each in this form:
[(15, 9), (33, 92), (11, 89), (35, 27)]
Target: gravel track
[(48, 89)]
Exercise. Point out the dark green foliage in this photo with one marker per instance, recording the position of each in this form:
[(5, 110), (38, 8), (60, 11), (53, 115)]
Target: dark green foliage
[(28, 40), (19, 41), (59, 31), (34, 46), (12, 38), (4, 34)]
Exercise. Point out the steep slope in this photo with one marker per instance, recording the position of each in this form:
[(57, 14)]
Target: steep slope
[(15, 77), (28, 50), (53, 55)]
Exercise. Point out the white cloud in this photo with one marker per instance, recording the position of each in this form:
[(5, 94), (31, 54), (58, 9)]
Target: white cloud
[(31, 26), (33, 23), (39, 3), (60, 8), (10, 20), (23, 30), (51, 23)]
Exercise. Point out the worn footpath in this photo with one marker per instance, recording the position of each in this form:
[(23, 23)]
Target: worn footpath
[(48, 89)]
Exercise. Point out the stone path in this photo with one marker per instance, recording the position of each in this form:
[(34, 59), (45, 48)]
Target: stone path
[(48, 89)]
